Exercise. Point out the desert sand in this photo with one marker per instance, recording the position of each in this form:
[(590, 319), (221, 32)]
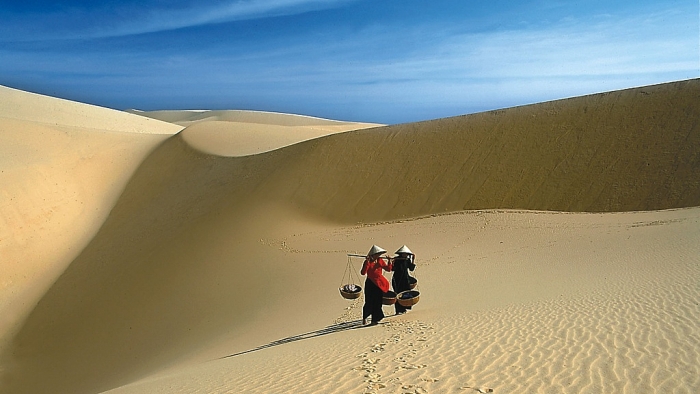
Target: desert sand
[(556, 246), (236, 133)]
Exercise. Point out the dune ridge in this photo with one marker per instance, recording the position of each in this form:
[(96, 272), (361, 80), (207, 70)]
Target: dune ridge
[(236, 139), (192, 261), (188, 117), (37, 108), (235, 133), (629, 150)]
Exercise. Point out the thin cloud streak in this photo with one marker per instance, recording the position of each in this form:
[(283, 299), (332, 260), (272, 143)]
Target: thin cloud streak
[(227, 12), (118, 21), (627, 47)]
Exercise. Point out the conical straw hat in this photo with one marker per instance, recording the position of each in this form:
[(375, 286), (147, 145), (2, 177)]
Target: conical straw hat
[(404, 249), (375, 250)]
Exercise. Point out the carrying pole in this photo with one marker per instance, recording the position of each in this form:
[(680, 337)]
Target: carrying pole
[(364, 256)]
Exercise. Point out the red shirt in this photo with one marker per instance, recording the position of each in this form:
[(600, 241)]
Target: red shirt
[(373, 270)]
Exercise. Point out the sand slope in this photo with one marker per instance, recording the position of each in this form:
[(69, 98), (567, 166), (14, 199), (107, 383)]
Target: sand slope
[(635, 149), (235, 133), (20, 105), (62, 166), (233, 139), (203, 256)]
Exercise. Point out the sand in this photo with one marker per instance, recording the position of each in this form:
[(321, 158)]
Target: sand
[(556, 248), (511, 301), (235, 133), (62, 167)]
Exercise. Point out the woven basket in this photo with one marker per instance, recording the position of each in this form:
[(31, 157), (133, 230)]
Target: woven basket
[(389, 298), (412, 282), (408, 297), (351, 295)]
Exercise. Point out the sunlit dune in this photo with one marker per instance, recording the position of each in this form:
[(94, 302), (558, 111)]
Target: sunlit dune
[(188, 117), (62, 167), (243, 133)]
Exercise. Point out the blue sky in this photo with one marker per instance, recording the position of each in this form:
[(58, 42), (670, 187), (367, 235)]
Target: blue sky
[(383, 61)]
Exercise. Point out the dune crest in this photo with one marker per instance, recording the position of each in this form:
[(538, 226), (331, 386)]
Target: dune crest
[(188, 117), (235, 133), (37, 108), (629, 150), (235, 139)]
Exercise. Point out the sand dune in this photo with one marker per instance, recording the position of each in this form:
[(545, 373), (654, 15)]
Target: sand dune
[(63, 165), (204, 256), (20, 105), (233, 139), (629, 150), (186, 118), (242, 133)]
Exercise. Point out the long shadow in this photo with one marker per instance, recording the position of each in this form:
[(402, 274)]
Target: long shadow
[(351, 325)]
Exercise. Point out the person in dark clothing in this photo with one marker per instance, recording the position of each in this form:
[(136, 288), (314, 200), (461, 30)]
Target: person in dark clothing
[(375, 284), (400, 281)]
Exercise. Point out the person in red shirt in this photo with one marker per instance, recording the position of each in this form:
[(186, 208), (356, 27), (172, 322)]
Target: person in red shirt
[(375, 284)]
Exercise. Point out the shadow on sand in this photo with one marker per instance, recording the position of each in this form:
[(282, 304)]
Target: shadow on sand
[(351, 325)]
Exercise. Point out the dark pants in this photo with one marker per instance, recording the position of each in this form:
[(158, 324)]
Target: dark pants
[(400, 308), (373, 302), (399, 286)]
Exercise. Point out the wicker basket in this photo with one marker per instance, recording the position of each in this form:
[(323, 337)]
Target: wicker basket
[(389, 298), (408, 297), (412, 282), (351, 295)]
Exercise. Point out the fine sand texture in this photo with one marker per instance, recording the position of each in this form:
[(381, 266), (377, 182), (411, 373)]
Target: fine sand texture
[(511, 301), (556, 246)]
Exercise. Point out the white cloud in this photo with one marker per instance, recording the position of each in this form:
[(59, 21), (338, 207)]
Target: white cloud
[(228, 11), (648, 44)]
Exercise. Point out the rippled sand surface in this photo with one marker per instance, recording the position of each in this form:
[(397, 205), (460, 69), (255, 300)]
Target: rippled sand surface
[(511, 302)]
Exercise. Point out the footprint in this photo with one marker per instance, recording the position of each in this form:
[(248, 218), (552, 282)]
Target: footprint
[(413, 389), (413, 366), (482, 390)]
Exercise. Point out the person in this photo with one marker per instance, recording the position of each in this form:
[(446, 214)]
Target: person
[(375, 284), (400, 281)]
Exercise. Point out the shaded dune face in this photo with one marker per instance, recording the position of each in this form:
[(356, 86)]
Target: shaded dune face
[(149, 286), (174, 264), (637, 149)]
